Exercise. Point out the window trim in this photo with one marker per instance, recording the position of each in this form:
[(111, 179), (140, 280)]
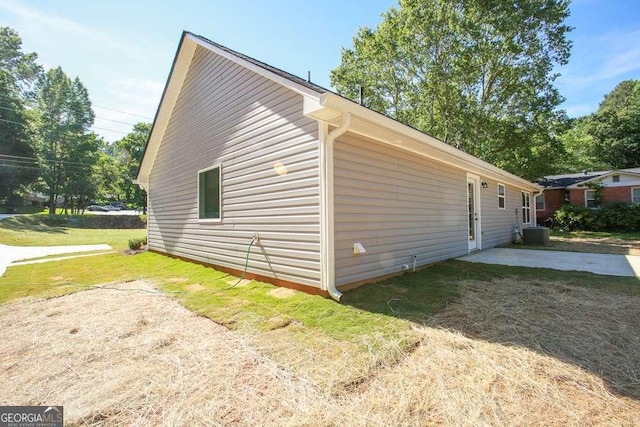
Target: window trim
[(526, 207), (503, 196), (544, 205), (209, 220), (637, 189), (586, 200)]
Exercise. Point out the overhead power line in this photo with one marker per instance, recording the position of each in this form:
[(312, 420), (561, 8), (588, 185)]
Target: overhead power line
[(110, 130), (115, 121), (106, 108), (14, 122), (7, 108), (123, 112), (93, 127), (34, 159)]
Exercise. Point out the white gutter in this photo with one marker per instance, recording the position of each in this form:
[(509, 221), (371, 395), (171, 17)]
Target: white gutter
[(535, 211), (326, 158), (424, 145)]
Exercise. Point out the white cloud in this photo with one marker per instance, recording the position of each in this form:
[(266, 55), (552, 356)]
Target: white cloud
[(120, 72), (63, 25), (598, 65), (610, 56), (141, 96)]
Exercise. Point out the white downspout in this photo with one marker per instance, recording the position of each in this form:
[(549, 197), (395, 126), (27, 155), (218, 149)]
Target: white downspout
[(535, 211), (329, 277)]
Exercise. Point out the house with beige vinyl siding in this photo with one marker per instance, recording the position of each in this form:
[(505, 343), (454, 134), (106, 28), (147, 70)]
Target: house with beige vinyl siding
[(321, 192)]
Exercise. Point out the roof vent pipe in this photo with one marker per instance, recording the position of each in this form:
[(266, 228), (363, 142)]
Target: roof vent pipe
[(308, 76), (362, 95)]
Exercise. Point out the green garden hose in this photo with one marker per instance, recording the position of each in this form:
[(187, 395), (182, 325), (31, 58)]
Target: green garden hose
[(246, 264)]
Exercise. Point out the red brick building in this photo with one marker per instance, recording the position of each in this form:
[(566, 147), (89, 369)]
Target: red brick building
[(590, 189)]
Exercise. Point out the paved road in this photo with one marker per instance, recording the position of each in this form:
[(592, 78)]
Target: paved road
[(607, 264), (9, 254)]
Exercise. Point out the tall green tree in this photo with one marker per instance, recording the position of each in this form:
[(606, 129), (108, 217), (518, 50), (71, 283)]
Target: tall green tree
[(129, 152), (608, 138), (66, 149), (477, 74), (107, 173), (616, 126), (579, 147), (18, 71)]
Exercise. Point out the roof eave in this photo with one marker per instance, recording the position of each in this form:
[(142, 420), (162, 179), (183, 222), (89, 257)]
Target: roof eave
[(377, 126)]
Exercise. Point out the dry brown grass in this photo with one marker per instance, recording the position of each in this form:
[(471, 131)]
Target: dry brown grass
[(517, 353), (132, 357)]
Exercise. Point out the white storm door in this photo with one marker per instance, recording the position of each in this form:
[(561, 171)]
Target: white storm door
[(473, 212)]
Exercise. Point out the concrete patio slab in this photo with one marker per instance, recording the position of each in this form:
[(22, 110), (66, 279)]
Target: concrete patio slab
[(606, 264)]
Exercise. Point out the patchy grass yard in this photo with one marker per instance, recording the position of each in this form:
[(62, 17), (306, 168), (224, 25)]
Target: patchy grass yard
[(591, 241), (597, 242), (455, 343)]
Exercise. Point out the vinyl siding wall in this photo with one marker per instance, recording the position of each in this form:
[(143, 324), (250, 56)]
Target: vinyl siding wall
[(270, 184), (498, 225), (397, 205)]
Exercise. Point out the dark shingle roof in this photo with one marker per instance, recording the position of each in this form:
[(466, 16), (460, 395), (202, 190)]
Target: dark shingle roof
[(566, 180), (267, 67)]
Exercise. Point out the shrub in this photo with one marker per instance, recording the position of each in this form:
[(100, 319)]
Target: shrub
[(619, 216), (616, 216), (573, 217), (94, 221), (135, 244)]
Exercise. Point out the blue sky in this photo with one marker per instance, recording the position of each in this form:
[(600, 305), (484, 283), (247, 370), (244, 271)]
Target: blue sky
[(122, 50)]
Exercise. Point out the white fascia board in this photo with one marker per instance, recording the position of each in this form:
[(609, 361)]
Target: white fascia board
[(379, 127), (165, 109), (601, 177)]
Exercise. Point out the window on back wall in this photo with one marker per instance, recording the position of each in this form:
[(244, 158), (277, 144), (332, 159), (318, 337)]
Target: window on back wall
[(502, 195), (635, 195), (209, 193), (540, 202), (526, 208), (590, 199)]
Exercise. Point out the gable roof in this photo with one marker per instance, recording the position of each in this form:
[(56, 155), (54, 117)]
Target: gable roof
[(320, 104), (574, 179)]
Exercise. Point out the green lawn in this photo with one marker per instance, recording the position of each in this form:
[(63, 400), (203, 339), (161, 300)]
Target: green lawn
[(33, 230)]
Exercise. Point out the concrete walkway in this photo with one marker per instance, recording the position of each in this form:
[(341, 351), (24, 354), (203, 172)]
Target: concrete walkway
[(607, 264), (9, 254)]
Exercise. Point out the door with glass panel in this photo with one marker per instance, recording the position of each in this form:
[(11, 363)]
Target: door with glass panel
[(473, 212)]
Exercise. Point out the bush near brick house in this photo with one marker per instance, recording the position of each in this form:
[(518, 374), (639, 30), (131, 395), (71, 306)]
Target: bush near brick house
[(616, 216)]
